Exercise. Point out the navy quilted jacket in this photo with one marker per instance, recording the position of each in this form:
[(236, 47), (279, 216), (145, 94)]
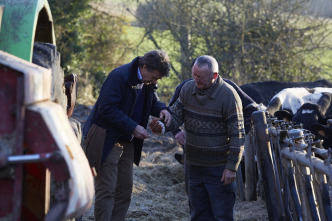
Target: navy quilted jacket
[(115, 104)]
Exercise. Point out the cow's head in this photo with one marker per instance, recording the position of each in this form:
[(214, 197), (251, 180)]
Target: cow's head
[(284, 115), (323, 132), (307, 115)]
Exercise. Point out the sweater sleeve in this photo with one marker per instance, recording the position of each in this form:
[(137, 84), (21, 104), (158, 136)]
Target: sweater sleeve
[(173, 100), (235, 129), (177, 113)]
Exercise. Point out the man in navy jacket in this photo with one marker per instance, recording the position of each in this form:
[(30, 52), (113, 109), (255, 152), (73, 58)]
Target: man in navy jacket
[(127, 99)]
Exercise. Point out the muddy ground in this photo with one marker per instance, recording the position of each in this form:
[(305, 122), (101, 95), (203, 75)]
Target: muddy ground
[(159, 187)]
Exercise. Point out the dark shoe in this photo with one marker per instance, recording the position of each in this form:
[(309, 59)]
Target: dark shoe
[(179, 157)]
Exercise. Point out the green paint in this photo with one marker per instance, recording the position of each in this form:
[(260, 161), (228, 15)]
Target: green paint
[(18, 26)]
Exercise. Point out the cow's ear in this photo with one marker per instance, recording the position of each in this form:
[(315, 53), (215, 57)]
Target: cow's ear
[(318, 129), (283, 115), (325, 120)]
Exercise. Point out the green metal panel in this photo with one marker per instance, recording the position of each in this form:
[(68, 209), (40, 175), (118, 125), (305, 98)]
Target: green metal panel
[(19, 21)]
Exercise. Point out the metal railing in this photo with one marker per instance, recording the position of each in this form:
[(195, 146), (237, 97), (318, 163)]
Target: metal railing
[(295, 171)]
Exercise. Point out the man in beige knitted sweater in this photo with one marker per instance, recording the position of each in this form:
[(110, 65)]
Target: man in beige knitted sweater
[(211, 112)]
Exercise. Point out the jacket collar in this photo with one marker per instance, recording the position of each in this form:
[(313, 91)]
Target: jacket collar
[(133, 78)]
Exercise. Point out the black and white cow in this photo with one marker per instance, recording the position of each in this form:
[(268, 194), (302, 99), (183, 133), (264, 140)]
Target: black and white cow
[(263, 91), (323, 132), (307, 114), (291, 99)]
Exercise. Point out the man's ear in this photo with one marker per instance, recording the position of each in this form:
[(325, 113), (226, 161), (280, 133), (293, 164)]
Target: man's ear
[(215, 75)]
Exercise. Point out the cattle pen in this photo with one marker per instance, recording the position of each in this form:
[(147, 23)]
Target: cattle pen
[(294, 170)]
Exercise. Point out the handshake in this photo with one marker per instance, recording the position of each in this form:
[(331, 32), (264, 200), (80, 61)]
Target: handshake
[(157, 126)]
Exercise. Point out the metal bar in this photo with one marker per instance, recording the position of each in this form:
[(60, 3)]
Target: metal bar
[(326, 200), (317, 182), (311, 198), (287, 201), (29, 158), (301, 158), (277, 171), (309, 180), (293, 190)]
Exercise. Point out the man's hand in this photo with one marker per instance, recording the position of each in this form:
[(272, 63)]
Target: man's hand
[(180, 137), (166, 116), (228, 176), (140, 133), (157, 126)]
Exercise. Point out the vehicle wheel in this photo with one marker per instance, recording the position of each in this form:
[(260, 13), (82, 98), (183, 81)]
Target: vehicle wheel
[(47, 56)]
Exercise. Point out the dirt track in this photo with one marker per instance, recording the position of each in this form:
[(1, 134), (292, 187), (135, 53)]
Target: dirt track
[(159, 188)]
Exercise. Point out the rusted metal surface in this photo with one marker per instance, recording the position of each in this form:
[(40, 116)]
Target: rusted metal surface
[(37, 80), (37, 143), (11, 140)]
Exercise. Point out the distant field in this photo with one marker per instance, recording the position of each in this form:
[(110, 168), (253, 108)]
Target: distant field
[(118, 7)]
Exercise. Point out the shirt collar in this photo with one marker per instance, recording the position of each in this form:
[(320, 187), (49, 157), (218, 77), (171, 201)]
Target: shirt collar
[(138, 84), (139, 76), (211, 91)]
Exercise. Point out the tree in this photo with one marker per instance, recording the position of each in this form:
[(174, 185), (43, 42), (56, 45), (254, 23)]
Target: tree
[(67, 16), (253, 40), (91, 41)]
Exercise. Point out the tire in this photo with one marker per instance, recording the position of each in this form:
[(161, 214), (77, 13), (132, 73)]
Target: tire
[(47, 56)]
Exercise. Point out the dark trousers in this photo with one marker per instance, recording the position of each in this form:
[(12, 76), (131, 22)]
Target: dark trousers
[(114, 184), (209, 198)]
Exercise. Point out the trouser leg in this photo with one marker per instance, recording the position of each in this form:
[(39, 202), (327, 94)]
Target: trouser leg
[(186, 177), (222, 197), (105, 184), (124, 183), (198, 196)]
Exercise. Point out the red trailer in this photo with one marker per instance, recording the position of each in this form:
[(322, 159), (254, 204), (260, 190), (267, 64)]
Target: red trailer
[(38, 148)]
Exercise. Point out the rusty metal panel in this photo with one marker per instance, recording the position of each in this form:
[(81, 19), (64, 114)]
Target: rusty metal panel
[(37, 80), (36, 192), (8, 93), (32, 125), (11, 140), (49, 118)]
